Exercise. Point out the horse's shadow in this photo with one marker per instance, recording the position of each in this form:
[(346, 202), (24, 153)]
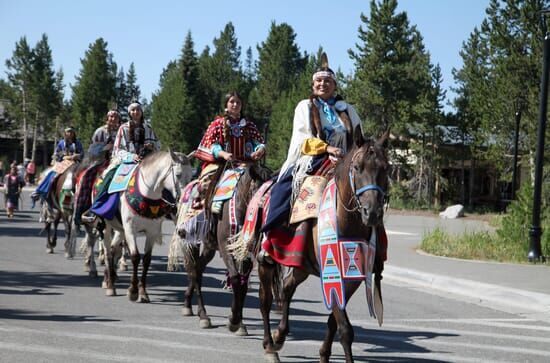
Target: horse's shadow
[(38, 283), (383, 342), (21, 314)]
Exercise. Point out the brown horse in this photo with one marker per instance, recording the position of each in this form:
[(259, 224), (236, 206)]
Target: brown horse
[(362, 180), (196, 257), (58, 207)]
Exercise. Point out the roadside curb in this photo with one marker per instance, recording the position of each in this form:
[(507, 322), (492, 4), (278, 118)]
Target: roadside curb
[(516, 298)]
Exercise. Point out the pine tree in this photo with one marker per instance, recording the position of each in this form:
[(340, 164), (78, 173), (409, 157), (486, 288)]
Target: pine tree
[(279, 67), (19, 71), (220, 72), (121, 99), (94, 90), (175, 113), (133, 92), (392, 70), (282, 116), (48, 94)]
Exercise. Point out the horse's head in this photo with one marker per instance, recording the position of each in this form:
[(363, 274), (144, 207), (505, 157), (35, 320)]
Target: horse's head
[(363, 178)]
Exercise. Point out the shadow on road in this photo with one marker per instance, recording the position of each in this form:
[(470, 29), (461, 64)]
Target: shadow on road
[(17, 314)]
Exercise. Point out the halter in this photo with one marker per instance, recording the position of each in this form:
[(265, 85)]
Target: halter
[(356, 193)]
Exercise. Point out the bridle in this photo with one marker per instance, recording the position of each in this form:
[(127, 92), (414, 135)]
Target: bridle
[(170, 170), (356, 192)]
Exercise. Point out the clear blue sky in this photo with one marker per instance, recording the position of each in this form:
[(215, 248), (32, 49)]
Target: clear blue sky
[(151, 33)]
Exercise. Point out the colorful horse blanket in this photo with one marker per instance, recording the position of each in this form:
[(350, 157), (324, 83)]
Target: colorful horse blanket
[(122, 177), (227, 184), (306, 205)]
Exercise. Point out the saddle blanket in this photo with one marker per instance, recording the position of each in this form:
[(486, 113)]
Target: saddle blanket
[(307, 202), (60, 166), (227, 184), (122, 177)]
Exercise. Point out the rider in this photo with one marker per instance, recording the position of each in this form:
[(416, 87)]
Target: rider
[(134, 140), (322, 133), (231, 137), (100, 151), (69, 148)]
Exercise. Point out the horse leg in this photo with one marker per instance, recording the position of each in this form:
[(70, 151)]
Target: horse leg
[(109, 277), (49, 244), (206, 256), (101, 253), (266, 273), (90, 256), (296, 277), (122, 264), (143, 297), (68, 224), (338, 319), (191, 263), (70, 244)]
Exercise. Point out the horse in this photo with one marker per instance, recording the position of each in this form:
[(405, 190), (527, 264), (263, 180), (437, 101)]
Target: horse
[(361, 179), (155, 173), (196, 258), (58, 207)]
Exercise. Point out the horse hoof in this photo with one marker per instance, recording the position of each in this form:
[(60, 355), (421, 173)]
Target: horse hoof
[(185, 311), (68, 256), (110, 292), (272, 357), (205, 323), (132, 295), (277, 346), (232, 327), (49, 250), (242, 331), (143, 299), (103, 284), (92, 274)]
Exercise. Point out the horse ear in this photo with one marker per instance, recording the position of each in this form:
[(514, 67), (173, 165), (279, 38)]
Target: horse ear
[(174, 156), (358, 137), (384, 139)]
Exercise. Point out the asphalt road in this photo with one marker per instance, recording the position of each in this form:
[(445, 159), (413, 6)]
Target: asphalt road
[(51, 311)]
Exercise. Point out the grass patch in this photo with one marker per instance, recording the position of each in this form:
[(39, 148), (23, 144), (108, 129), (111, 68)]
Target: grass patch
[(473, 245)]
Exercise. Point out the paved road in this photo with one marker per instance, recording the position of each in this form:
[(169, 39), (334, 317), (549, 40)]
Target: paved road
[(51, 311)]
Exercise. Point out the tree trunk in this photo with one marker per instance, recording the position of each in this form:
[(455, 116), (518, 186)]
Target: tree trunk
[(471, 182), (25, 129), (34, 136)]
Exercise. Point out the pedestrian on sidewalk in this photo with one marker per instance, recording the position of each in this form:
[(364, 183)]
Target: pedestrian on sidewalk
[(13, 185)]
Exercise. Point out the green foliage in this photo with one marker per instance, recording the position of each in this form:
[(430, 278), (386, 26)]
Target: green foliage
[(175, 114), (279, 67), (515, 224), (94, 90), (510, 242), (471, 245)]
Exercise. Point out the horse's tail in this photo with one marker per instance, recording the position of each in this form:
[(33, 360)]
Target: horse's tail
[(176, 252), (238, 247)]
